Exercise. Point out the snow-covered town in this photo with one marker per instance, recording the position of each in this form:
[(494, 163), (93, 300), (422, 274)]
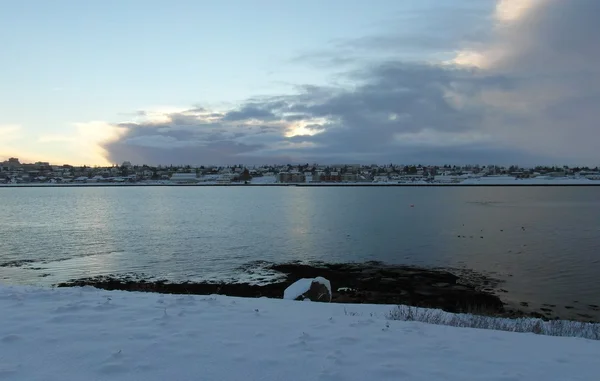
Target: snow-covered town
[(13, 172)]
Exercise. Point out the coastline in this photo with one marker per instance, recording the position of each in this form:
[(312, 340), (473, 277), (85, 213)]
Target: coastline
[(512, 184), (354, 283)]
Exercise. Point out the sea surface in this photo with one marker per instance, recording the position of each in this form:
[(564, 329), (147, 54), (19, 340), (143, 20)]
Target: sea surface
[(542, 242)]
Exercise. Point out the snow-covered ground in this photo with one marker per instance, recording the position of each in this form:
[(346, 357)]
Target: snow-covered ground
[(88, 334), (540, 180)]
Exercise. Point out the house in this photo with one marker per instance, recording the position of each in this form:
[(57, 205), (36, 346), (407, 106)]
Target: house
[(291, 177), (349, 177), (184, 178), (380, 179), (226, 178), (97, 178)]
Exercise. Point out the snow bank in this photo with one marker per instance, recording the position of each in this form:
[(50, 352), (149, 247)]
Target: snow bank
[(302, 286), (324, 282), (297, 288), (89, 334)]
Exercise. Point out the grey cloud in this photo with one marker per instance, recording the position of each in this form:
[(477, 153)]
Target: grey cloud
[(555, 37), (551, 53), (249, 112), (218, 154), (189, 138), (536, 102), (425, 29)]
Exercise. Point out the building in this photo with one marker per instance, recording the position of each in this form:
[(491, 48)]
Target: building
[(226, 178), (12, 164), (330, 177), (184, 178), (590, 175), (291, 177), (349, 177)]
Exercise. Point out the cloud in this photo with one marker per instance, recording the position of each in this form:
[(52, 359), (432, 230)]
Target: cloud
[(549, 51), (84, 145), (9, 132), (249, 112), (396, 105), (9, 135), (520, 88), (12, 140)]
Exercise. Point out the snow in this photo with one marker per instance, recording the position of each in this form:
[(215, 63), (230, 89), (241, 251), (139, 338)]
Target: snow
[(303, 285), (88, 334), (541, 180), (324, 282), (297, 288)]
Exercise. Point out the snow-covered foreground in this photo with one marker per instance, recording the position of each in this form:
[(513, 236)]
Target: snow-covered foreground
[(88, 334)]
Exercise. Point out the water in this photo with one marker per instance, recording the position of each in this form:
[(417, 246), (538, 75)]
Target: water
[(543, 242)]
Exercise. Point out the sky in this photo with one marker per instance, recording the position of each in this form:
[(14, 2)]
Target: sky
[(225, 82)]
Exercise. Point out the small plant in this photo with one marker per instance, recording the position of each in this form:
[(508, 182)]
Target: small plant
[(524, 325)]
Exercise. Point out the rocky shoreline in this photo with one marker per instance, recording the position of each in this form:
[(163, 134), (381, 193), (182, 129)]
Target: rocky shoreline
[(370, 282)]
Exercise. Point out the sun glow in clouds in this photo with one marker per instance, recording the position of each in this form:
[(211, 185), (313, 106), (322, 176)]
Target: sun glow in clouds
[(512, 10), (85, 144), (303, 127), (506, 13)]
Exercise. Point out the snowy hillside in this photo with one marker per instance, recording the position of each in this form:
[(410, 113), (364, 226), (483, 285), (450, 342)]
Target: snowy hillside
[(88, 334)]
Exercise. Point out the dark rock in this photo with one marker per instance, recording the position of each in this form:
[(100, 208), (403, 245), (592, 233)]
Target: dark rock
[(585, 316), (317, 292), (402, 285), (17, 263), (524, 304)]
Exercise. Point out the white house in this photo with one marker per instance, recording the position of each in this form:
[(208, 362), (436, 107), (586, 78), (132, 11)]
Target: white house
[(182, 178), (225, 178), (380, 179)]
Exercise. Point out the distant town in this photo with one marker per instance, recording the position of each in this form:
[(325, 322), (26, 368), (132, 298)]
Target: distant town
[(13, 172)]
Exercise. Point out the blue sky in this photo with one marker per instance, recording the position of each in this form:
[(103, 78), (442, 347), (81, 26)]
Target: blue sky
[(85, 82)]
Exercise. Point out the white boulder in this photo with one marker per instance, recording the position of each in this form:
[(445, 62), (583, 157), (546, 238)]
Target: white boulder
[(315, 289)]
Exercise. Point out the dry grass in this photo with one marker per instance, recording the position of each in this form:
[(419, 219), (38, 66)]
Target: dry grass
[(563, 328)]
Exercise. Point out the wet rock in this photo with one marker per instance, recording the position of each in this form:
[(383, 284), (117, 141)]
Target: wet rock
[(524, 304), (372, 282), (586, 316), (17, 263), (425, 292), (318, 292)]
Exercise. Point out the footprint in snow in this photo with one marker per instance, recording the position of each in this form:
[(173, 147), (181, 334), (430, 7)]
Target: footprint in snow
[(11, 338), (114, 364), (346, 340)]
